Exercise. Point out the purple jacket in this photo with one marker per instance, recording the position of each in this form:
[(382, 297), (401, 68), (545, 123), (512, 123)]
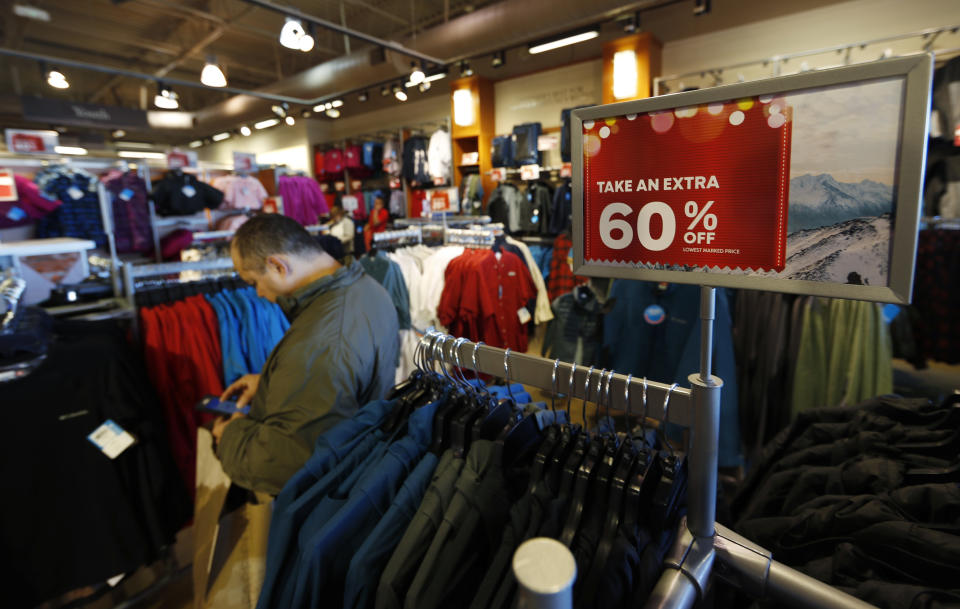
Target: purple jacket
[(302, 199), (131, 217)]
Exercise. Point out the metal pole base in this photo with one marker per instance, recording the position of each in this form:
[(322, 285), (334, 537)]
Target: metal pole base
[(687, 571)]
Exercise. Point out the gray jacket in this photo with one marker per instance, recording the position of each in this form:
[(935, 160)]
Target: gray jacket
[(339, 353)]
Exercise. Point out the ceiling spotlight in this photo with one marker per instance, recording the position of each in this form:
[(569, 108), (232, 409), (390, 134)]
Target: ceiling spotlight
[(212, 75), (119, 133), (424, 87), (631, 23), (291, 33), (307, 42), (399, 93), (306, 114), (265, 124), (219, 137), (195, 143), (56, 79), (465, 69), (280, 109), (499, 58), (245, 131), (363, 97), (166, 98), (333, 113), (384, 91), (289, 120), (328, 105), (337, 103), (566, 40), (416, 74)]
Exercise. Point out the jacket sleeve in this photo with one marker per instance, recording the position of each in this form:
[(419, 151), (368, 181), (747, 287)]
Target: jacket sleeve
[(306, 391)]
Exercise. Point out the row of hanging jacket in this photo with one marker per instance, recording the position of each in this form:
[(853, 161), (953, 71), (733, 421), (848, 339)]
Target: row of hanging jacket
[(240, 191), (781, 339), (180, 193), (198, 337), (420, 501), (73, 517), (536, 209), (131, 214), (420, 161), (78, 214), (865, 498)]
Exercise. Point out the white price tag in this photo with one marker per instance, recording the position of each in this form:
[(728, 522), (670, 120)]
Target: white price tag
[(111, 439), (188, 191), (529, 172), (75, 193), (524, 315)]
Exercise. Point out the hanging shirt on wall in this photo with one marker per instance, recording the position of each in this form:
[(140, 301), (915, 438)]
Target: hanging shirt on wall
[(415, 168), (30, 206), (391, 161), (180, 193), (131, 215), (438, 155), (79, 213)]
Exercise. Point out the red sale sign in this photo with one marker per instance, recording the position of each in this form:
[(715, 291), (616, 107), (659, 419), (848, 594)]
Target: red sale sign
[(701, 186)]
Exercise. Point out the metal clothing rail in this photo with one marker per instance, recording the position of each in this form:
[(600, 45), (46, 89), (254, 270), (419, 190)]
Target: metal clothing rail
[(132, 272), (701, 545)]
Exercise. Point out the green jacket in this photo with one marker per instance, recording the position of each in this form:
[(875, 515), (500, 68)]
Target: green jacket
[(339, 353)]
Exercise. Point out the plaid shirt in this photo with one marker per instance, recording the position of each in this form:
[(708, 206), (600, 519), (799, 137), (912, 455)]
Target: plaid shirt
[(561, 279)]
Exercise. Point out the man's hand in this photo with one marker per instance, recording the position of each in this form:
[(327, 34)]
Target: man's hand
[(221, 424), (246, 386)]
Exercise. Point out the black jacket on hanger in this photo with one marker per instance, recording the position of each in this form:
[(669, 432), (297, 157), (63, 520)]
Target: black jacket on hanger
[(182, 194)]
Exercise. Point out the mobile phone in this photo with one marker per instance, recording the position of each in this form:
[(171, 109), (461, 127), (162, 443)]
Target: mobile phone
[(212, 403)]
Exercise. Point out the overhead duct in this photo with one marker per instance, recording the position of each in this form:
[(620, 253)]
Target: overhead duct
[(508, 24)]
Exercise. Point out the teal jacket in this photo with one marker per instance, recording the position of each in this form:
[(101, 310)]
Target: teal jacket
[(339, 353)]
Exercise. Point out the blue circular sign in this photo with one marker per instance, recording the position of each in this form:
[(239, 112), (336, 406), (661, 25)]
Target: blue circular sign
[(654, 315)]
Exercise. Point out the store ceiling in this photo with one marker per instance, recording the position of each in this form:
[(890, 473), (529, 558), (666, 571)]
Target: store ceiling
[(166, 38)]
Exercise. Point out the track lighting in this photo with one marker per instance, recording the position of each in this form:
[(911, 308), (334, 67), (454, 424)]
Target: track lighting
[(566, 40), (424, 87), (306, 114), (294, 36), (289, 121), (363, 97), (119, 133), (399, 93), (212, 75), (499, 58), (384, 91), (166, 98), (333, 113), (337, 103), (280, 109), (416, 74), (245, 131), (465, 69), (219, 137)]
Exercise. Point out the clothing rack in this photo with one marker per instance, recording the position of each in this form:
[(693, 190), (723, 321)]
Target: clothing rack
[(701, 544), (776, 62), (414, 234), (132, 272), (474, 237)]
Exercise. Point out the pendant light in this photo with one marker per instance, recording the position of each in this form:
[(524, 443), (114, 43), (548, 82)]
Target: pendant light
[(212, 75)]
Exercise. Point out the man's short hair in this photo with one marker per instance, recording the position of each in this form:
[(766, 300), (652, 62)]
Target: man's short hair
[(270, 234)]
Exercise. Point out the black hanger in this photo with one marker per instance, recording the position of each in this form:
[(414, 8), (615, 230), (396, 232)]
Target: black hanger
[(643, 477), (673, 478), (934, 475), (551, 439), (455, 413), (576, 452), (584, 476)]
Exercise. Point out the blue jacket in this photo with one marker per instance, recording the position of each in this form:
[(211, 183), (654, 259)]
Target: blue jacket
[(669, 351), (336, 452)]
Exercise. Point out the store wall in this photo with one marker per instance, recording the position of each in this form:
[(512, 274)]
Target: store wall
[(738, 37), (540, 97), (281, 145)]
